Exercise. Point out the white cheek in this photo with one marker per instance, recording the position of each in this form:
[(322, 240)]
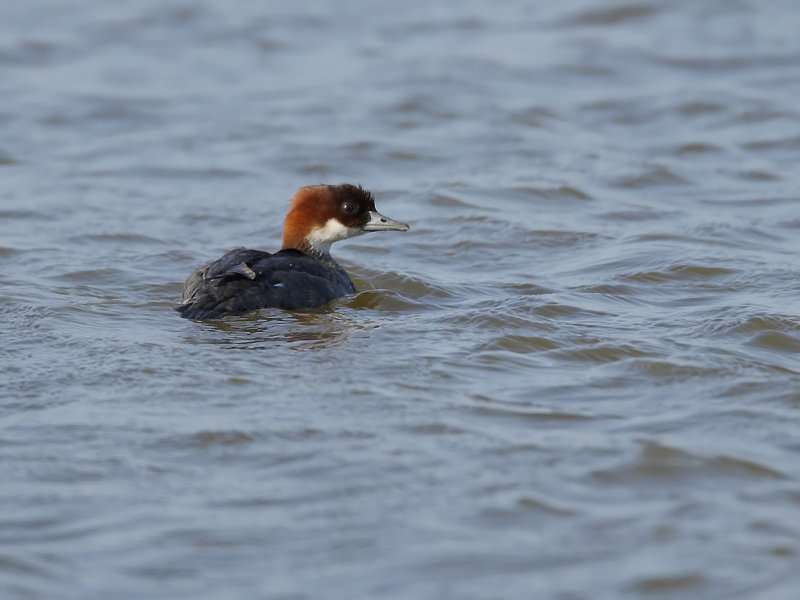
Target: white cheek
[(321, 238)]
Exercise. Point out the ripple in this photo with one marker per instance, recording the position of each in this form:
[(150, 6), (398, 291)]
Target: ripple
[(449, 200), (757, 175), (662, 369), (751, 201), (682, 582), (558, 239), (638, 214), (94, 275), (12, 564), (24, 214), (533, 117), (125, 238), (555, 310), (699, 238), (527, 289), (624, 294), (30, 52), (700, 107), (562, 192), (657, 461), (655, 176), (209, 439), (434, 429), (680, 273), (163, 172), (523, 414), (410, 286), (775, 340), (614, 15), (733, 321), (600, 353), (718, 64), (520, 344), (783, 143), (697, 148), (383, 299), (545, 505)]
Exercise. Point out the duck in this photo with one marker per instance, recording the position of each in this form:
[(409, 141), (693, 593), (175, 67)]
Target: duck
[(302, 274)]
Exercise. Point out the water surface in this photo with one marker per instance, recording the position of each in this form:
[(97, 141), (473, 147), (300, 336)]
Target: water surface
[(578, 376)]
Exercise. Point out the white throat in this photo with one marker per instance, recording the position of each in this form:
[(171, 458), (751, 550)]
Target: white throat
[(320, 238)]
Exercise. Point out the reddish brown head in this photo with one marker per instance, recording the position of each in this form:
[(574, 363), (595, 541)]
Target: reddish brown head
[(322, 214)]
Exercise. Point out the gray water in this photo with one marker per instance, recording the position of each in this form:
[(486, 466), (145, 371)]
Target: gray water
[(577, 377)]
